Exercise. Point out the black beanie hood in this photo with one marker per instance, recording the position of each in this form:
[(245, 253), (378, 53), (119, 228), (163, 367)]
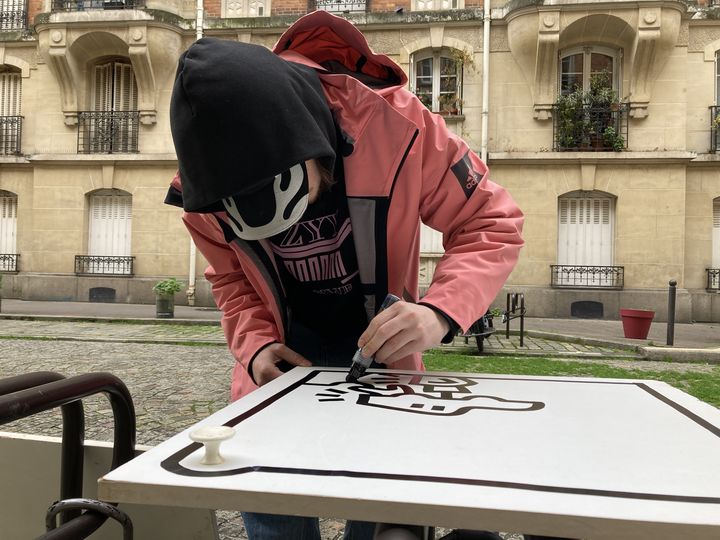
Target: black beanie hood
[(240, 115)]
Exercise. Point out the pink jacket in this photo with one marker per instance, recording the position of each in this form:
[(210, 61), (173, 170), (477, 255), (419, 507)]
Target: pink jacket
[(405, 166)]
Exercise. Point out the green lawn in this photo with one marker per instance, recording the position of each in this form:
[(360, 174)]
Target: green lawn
[(701, 384)]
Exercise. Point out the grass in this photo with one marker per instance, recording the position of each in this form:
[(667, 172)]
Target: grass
[(703, 385)]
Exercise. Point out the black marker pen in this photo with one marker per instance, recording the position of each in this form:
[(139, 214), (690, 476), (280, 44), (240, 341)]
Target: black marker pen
[(359, 362)]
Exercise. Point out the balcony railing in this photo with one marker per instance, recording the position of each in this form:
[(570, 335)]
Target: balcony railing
[(341, 6), (105, 265), (13, 16), (10, 135), (715, 129), (587, 277), (590, 128), (713, 282), (9, 262), (101, 132), (82, 5)]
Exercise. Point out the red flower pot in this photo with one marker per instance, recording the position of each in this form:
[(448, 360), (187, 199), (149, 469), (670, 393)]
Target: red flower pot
[(636, 322)]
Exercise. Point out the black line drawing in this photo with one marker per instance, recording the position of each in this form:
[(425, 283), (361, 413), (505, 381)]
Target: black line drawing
[(420, 395)]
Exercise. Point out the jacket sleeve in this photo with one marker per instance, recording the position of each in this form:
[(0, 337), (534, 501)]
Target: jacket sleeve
[(247, 323), (480, 223)]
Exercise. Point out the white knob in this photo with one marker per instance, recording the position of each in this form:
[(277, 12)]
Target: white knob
[(211, 437)]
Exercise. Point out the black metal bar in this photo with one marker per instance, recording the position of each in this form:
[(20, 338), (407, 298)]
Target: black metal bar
[(13, 16), (80, 527), (10, 134), (713, 279), (587, 277), (108, 132), (76, 505), (55, 394), (590, 128), (507, 317), (9, 262), (671, 312), (522, 318), (106, 265), (73, 433), (82, 5), (341, 6)]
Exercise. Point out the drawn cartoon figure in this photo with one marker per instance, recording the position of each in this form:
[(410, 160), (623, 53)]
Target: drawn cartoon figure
[(436, 395)]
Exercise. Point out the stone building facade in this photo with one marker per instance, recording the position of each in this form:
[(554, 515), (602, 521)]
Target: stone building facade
[(601, 119)]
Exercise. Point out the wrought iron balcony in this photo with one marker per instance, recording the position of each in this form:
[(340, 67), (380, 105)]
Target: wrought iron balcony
[(341, 6), (715, 129), (713, 280), (587, 277), (590, 128), (13, 16), (10, 135), (105, 265), (101, 132), (9, 262), (82, 5)]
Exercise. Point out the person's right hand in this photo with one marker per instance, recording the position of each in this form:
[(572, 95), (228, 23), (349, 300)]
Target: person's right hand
[(265, 366)]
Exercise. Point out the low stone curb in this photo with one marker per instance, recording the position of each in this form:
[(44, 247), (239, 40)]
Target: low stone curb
[(675, 354)]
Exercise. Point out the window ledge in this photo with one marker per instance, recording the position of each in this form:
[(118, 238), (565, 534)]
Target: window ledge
[(672, 156), (452, 118)]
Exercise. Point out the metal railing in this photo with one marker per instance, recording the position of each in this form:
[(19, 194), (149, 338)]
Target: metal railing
[(104, 265), (82, 5), (713, 279), (9, 262), (587, 277), (590, 128), (26, 395), (714, 129), (13, 16), (10, 135), (341, 6), (102, 132)]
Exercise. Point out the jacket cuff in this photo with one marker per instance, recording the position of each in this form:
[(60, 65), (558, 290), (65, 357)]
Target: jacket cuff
[(254, 356), (454, 327)]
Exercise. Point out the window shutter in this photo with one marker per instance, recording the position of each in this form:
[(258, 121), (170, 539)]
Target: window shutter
[(716, 234), (8, 224), (125, 88), (585, 231), (110, 225), (10, 94), (102, 99)]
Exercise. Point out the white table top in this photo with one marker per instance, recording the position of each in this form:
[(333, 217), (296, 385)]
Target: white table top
[(575, 457)]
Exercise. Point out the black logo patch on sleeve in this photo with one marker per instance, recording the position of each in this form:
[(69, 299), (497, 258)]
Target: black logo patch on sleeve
[(468, 178)]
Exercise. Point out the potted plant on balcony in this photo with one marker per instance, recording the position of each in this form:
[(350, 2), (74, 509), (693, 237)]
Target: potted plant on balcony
[(165, 297), (613, 139)]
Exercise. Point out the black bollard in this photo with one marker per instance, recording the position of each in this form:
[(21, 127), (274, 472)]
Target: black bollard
[(671, 312)]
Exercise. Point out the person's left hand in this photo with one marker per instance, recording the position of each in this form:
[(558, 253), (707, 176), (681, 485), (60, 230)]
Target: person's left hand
[(402, 329)]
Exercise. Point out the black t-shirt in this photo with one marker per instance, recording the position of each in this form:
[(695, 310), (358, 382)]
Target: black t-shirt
[(319, 269)]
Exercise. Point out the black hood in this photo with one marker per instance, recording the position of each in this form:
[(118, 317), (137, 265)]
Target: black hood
[(240, 115)]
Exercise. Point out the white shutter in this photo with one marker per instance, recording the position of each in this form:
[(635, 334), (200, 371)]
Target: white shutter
[(585, 231), (10, 94), (110, 225), (430, 241), (125, 88), (102, 90), (716, 234), (8, 227)]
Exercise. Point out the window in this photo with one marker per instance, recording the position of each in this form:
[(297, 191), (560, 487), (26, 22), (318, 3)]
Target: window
[(8, 231), (424, 5), (716, 234), (111, 125), (245, 8), (110, 220), (585, 230), (717, 78), (579, 65), (437, 80), (12, 15), (10, 119)]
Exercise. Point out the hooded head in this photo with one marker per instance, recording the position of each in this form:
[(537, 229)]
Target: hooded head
[(244, 121)]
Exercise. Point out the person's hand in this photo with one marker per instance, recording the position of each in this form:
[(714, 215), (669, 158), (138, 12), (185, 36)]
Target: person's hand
[(265, 366), (402, 329)]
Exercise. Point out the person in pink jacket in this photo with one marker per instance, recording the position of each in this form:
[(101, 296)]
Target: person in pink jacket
[(304, 173)]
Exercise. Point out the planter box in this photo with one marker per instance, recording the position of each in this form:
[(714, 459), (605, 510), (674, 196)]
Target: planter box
[(636, 322)]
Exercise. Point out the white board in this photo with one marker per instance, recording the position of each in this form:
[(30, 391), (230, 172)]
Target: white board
[(589, 458)]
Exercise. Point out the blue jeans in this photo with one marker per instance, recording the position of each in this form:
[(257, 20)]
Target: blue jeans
[(326, 352)]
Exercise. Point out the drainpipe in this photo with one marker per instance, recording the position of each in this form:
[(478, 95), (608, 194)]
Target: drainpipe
[(485, 83), (193, 250)]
